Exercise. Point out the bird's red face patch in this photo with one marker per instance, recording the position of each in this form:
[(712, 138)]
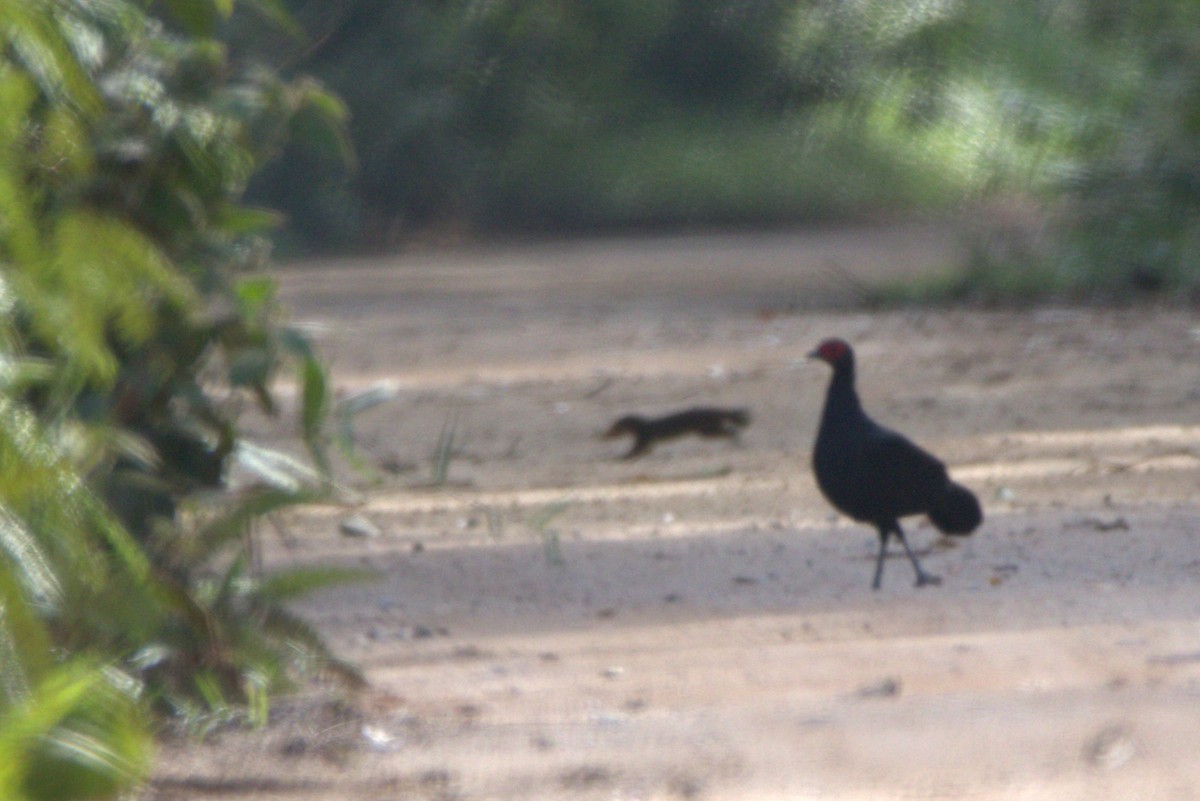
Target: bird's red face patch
[(831, 351)]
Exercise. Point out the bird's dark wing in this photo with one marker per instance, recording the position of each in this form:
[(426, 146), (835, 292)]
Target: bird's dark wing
[(904, 478)]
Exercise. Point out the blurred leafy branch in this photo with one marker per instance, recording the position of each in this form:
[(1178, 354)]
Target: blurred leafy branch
[(136, 325)]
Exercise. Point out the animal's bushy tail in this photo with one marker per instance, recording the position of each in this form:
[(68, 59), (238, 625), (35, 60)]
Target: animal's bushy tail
[(959, 512)]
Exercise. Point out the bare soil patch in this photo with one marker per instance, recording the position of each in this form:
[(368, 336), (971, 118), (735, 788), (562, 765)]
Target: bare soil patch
[(555, 623)]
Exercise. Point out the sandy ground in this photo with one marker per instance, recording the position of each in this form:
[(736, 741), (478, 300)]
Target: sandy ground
[(552, 622)]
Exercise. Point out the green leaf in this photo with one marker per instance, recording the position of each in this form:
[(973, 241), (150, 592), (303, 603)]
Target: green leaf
[(278, 469), (304, 639), (288, 585), (296, 342), (79, 735), (21, 549), (315, 407), (198, 17), (255, 294), (321, 123), (25, 647), (275, 11), (246, 220), (375, 395), (238, 514), (347, 408), (250, 367), (20, 375)]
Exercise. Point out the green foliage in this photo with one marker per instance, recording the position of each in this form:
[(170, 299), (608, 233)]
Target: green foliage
[(342, 417), (1102, 101), (535, 116), (543, 116), (78, 732), (734, 172), (540, 116), (1138, 191), (135, 326), (443, 450), (69, 728), (551, 541)]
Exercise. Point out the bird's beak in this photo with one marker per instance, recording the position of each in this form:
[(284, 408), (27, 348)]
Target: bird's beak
[(813, 354)]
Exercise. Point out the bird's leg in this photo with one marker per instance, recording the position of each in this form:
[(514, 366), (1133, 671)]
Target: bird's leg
[(884, 533), (923, 578)]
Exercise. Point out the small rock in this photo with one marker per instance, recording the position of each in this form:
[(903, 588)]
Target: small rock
[(379, 739), (469, 712), (1114, 524), (395, 465), (1002, 573), (468, 653), (586, 777), (359, 526), (295, 747), (1186, 658), (436, 777), (686, 787), (1111, 748), (887, 688), (608, 719)]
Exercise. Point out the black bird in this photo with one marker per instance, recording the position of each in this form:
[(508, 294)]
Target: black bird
[(705, 422), (878, 476)]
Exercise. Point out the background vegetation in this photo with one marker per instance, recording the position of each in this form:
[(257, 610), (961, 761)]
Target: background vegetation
[(535, 116)]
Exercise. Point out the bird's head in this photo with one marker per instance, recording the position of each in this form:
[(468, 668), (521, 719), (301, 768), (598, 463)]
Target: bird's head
[(834, 352)]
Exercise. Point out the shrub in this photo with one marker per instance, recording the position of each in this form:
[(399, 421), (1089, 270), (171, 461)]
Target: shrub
[(135, 324)]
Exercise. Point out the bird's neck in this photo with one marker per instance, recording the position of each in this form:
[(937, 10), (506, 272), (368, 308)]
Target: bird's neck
[(841, 400)]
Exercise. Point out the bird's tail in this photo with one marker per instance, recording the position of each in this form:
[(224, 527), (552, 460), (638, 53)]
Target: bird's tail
[(959, 512)]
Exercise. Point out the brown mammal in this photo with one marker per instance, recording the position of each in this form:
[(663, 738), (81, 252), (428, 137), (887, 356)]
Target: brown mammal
[(704, 422)]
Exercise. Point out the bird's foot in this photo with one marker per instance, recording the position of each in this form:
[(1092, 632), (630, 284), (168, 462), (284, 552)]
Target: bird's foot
[(924, 579)]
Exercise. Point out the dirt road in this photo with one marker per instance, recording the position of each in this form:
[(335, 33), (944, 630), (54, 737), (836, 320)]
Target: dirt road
[(555, 623)]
